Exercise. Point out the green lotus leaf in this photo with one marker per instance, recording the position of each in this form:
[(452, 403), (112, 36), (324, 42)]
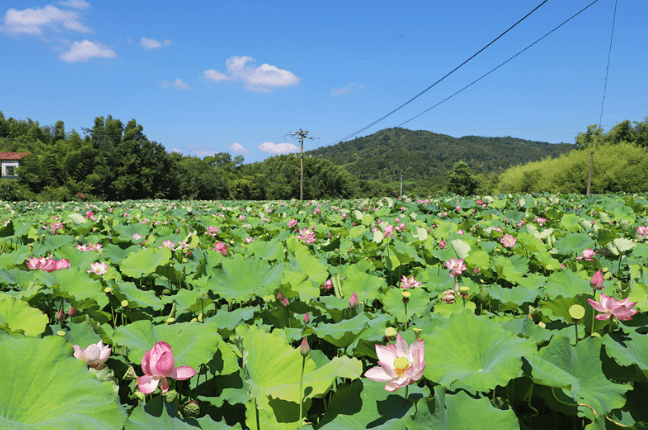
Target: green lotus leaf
[(624, 245), (192, 343), (574, 244), (406, 253), (421, 233), (511, 268), (472, 353), (365, 286), (309, 265), (343, 333), (629, 351), (274, 368), (577, 373), (366, 404), (418, 304), (77, 218), (144, 262), (567, 284), (18, 315), (116, 254), (77, 259), (81, 334), (518, 295), (74, 281), (158, 414), (437, 279), (44, 386), (270, 251), (460, 411), (461, 248), (525, 326), (229, 320), (478, 258), (137, 297), (301, 284), (241, 279), (570, 222)]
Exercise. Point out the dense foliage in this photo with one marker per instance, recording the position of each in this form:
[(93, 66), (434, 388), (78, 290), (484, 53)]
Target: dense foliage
[(520, 312), (428, 156), (620, 164)]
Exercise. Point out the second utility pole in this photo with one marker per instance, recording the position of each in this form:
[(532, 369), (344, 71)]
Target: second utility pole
[(302, 134)]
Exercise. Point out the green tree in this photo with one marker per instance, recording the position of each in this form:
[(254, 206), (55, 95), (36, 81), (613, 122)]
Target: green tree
[(460, 180)]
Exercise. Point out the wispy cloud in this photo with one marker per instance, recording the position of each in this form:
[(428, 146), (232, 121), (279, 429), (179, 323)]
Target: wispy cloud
[(278, 148), (77, 4), (261, 79), (352, 86), (237, 148), (147, 43), (178, 84), (33, 21), (200, 151), (85, 50)]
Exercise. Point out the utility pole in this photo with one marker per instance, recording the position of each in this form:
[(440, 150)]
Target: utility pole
[(589, 176), (302, 134)]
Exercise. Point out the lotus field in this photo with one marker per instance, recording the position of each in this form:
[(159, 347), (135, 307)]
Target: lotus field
[(499, 312)]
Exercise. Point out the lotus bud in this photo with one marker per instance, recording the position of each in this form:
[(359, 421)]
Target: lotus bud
[(306, 318), (72, 312), (597, 280), (353, 301), (476, 271), (60, 315), (304, 349)]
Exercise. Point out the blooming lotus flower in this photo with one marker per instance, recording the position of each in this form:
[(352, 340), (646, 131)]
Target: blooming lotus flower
[(292, 223), (508, 241), (587, 255), (98, 268), (158, 365), (642, 231), (399, 364), (622, 310), (307, 236), (220, 247), (34, 263), (93, 355), (456, 267), (389, 230), (409, 283), (541, 221), (597, 280)]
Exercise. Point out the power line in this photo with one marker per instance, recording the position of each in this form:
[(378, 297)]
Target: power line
[(492, 70), (434, 84), (608, 63)]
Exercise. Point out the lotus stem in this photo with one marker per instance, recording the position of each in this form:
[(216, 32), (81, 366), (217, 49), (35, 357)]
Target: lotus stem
[(301, 391), (406, 391), (256, 408)]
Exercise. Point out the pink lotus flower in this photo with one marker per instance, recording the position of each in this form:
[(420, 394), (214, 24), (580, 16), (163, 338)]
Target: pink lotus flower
[(307, 236), (98, 268), (292, 223), (409, 283), (93, 355), (442, 244), (399, 364), (541, 221), (248, 240), (328, 284), (318, 211), (642, 231), (353, 300), (587, 255), (220, 247), (389, 230), (456, 267), (508, 241), (622, 310), (597, 280), (158, 365)]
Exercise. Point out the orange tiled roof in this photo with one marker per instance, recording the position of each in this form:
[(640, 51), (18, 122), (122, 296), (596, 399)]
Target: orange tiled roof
[(13, 155)]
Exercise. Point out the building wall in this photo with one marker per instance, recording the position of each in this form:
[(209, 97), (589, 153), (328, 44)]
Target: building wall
[(6, 169)]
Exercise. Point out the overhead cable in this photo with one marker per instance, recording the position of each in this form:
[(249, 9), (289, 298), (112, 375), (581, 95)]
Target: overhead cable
[(483, 76), (448, 74), (607, 71)]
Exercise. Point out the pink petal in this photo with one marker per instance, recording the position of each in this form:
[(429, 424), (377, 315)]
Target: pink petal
[(145, 363), (402, 350), (77, 351), (147, 384), (182, 372), (596, 305), (164, 384), (386, 354), (393, 386), (164, 365), (377, 374), (603, 317), (388, 368)]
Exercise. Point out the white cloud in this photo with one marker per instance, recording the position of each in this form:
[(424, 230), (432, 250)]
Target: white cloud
[(262, 79), (147, 43), (200, 151), (237, 148), (179, 84), (349, 88), (176, 150), (278, 148), (77, 4), (83, 51), (32, 21)]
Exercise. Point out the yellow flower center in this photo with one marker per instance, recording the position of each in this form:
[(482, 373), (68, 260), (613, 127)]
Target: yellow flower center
[(401, 364)]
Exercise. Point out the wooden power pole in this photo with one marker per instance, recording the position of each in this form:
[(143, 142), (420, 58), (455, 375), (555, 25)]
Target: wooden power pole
[(589, 176), (302, 134)]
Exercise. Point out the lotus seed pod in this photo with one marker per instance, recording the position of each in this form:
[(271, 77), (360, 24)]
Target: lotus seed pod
[(204, 297), (170, 320), (541, 324), (194, 320), (166, 292), (124, 303), (60, 333), (170, 396), (577, 312), (390, 332), (191, 409), (201, 318)]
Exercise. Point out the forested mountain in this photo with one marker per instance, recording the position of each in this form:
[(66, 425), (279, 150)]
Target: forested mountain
[(426, 156)]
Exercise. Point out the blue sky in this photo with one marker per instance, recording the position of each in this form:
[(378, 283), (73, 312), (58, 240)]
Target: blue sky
[(238, 77)]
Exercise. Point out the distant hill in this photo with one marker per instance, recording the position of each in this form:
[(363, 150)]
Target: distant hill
[(427, 156)]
